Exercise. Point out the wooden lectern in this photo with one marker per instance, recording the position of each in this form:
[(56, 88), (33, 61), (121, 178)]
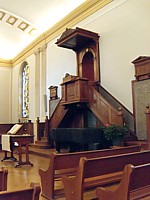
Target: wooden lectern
[(8, 141)]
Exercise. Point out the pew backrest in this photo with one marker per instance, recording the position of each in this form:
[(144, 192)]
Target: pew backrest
[(31, 193), (71, 160), (115, 163)]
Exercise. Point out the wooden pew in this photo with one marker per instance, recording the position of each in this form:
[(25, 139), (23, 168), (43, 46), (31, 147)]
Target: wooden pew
[(31, 193), (135, 184), (96, 172), (66, 164), (3, 179)]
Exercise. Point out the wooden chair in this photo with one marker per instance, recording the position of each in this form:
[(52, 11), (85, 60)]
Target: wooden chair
[(135, 184), (31, 193)]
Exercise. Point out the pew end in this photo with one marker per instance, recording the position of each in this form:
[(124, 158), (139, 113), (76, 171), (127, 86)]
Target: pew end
[(121, 191), (36, 190), (3, 179), (74, 184), (46, 176)]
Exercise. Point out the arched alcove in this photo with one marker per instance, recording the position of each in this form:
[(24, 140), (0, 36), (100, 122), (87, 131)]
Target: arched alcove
[(88, 66)]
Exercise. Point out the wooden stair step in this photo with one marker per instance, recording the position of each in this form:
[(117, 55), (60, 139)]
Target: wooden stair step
[(43, 139), (41, 152), (40, 146), (41, 142)]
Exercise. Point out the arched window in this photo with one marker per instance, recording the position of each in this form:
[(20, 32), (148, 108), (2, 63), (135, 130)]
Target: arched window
[(25, 90)]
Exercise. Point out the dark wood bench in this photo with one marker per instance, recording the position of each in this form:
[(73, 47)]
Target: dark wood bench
[(135, 184), (79, 139), (31, 193), (3, 179), (96, 172), (66, 164)]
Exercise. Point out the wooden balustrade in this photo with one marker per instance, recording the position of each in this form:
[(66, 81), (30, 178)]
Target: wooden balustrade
[(42, 128), (57, 116), (102, 109)]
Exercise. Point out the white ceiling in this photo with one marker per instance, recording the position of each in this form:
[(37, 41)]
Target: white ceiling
[(18, 18)]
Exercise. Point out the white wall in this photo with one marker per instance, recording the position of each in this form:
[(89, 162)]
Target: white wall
[(15, 93), (5, 95), (59, 62)]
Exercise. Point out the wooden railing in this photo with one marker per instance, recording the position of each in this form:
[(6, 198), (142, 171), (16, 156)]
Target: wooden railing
[(57, 116), (42, 128), (104, 111)]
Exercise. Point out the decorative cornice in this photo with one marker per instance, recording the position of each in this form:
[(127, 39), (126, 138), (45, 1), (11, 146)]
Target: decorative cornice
[(5, 63), (83, 11)]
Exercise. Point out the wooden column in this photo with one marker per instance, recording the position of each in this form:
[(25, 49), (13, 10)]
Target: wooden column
[(38, 129), (46, 127), (43, 110), (147, 112), (120, 117)]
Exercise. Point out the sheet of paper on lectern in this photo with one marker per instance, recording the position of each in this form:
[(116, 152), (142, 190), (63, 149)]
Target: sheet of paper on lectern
[(14, 129)]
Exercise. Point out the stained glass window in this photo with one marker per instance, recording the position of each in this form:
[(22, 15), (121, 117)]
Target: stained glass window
[(25, 91)]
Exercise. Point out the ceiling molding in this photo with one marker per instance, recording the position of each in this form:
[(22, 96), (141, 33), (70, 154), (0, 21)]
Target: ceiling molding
[(5, 63), (83, 11)]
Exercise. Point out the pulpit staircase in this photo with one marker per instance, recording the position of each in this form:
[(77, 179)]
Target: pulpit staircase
[(101, 108)]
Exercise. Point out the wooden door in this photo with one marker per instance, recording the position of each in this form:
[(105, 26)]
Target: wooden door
[(88, 66)]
